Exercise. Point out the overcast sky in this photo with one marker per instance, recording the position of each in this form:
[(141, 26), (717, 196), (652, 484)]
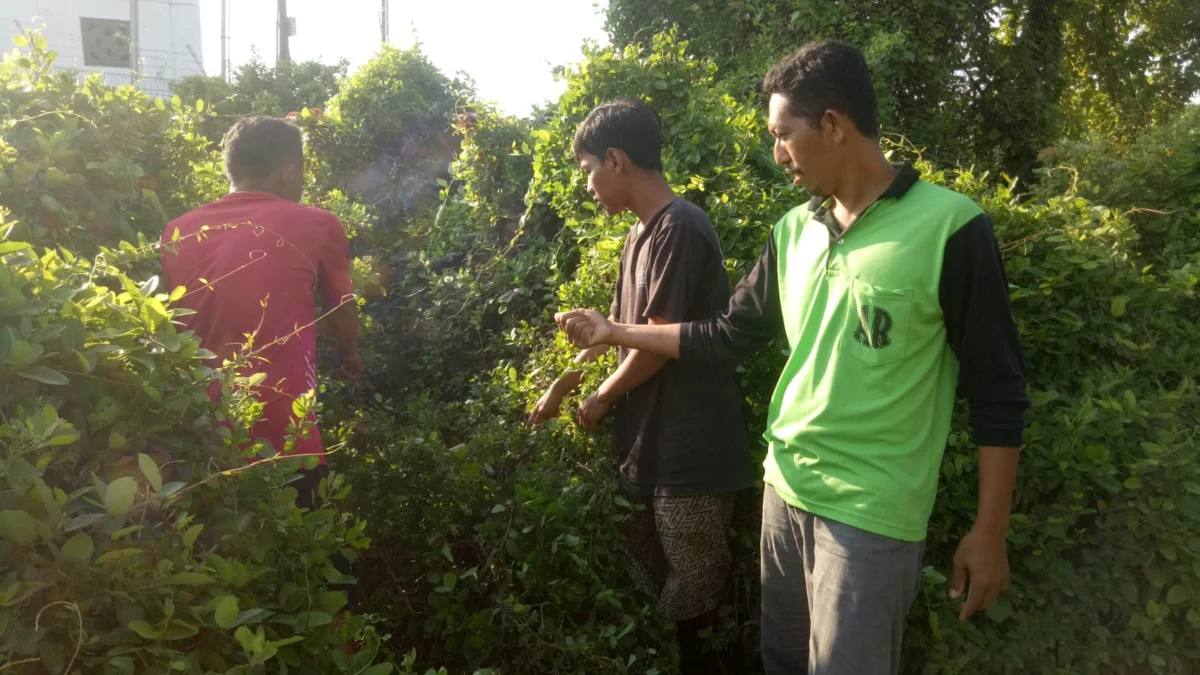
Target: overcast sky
[(508, 46)]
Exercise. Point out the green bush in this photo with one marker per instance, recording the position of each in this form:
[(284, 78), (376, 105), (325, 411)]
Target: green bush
[(1104, 562), (256, 89), (89, 165), (391, 140), (133, 535), (494, 548), (1156, 179)]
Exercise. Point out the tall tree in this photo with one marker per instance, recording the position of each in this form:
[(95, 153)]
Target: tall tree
[(991, 83)]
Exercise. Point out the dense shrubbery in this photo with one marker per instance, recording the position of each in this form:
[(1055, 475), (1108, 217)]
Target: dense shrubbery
[(82, 166), (1156, 179), (132, 536), (256, 89), (1103, 566), (494, 548)]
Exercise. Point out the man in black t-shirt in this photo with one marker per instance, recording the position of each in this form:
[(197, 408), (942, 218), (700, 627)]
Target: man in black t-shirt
[(681, 438)]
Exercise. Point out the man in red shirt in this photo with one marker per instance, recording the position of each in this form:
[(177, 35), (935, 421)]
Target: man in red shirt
[(251, 263)]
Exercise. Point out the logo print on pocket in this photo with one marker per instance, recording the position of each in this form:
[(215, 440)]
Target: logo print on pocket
[(880, 324)]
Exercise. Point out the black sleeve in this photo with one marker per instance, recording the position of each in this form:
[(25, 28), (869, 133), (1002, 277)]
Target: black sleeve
[(678, 257), (751, 321), (981, 331)]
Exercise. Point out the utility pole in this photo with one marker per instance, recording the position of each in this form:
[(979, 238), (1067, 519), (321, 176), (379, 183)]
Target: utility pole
[(134, 55), (284, 54), (224, 40), (384, 22)]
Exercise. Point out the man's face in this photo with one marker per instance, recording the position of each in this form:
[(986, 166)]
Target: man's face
[(807, 153), (603, 183)]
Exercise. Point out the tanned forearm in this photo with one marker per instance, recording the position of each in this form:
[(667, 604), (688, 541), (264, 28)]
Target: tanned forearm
[(662, 340), (997, 475), (569, 380), (638, 367), (634, 371)]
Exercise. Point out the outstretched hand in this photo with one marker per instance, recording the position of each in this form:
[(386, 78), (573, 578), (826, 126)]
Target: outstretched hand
[(546, 409), (585, 327)]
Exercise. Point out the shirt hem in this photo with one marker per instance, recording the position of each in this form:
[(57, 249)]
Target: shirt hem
[(856, 520), (659, 491)]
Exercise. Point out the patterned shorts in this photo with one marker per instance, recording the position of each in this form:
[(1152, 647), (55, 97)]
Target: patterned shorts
[(678, 551)]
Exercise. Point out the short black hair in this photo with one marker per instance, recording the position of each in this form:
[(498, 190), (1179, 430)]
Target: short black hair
[(827, 75), (629, 125), (256, 146)]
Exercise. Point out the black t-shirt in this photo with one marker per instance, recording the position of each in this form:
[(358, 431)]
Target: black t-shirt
[(681, 432)]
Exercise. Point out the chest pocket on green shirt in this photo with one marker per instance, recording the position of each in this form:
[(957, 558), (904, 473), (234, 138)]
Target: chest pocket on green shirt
[(876, 327)]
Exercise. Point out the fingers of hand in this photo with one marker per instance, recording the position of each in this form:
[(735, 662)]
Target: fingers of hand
[(958, 581), (563, 317), (579, 330), (976, 596)]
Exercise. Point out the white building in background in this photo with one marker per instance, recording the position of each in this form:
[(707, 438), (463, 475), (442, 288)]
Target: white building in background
[(151, 43)]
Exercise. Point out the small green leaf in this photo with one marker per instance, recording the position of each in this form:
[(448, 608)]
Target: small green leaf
[(171, 488), (226, 613), (252, 616), (193, 532), (13, 246), (84, 520), (1168, 550), (18, 527), (160, 104), (20, 353), (1177, 595), (44, 375), (125, 532), (120, 495), (180, 630), (119, 554), (190, 579), (144, 629), (1117, 307), (999, 611), (331, 601), (115, 441), (309, 620), (178, 293), (63, 437), (51, 203), (20, 41), (199, 105), (379, 669), (77, 549), (150, 471)]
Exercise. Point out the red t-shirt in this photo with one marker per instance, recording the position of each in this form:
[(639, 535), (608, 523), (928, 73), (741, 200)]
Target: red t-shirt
[(261, 258)]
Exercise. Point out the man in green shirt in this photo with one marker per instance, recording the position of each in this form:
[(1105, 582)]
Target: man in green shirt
[(892, 294)]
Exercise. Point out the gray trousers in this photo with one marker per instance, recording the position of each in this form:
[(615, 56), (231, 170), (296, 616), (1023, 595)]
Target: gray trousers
[(834, 597)]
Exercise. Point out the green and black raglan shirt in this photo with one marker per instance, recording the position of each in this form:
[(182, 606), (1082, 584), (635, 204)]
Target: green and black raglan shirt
[(885, 320)]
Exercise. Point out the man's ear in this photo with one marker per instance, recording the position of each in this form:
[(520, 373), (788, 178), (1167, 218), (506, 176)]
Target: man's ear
[(617, 158), (835, 125)]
